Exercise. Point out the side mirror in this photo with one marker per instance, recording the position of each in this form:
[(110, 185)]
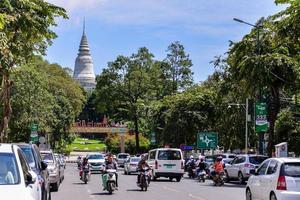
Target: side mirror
[(44, 165), (29, 179)]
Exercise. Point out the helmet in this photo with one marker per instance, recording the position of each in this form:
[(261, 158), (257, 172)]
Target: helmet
[(191, 157), (201, 159), (219, 158)]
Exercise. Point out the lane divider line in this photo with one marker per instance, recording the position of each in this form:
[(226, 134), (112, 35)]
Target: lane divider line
[(195, 197)]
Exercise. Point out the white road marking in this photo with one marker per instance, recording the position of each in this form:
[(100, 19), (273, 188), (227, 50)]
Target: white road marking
[(171, 189), (195, 197)]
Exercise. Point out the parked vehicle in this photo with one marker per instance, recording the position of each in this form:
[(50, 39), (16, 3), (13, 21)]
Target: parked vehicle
[(121, 158), (227, 157), (33, 157), (144, 178), (166, 162), (131, 164), (17, 180), (275, 179), (96, 161), (53, 168), (61, 167), (109, 180)]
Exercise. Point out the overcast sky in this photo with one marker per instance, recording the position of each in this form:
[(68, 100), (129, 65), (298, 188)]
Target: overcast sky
[(120, 27)]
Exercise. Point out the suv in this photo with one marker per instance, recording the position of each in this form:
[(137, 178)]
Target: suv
[(121, 158), (239, 168), (17, 180), (33, 157), (166, 162), (53, 168)]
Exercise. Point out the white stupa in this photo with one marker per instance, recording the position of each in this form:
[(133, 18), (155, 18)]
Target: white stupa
[(84, 67)]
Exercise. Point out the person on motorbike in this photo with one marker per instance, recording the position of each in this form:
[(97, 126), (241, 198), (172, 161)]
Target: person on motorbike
[(201, 166), (110, 163), (84, 163), (218, 166), (142, 164), (191, 164)]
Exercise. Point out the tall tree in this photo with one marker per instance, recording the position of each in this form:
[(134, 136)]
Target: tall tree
[(179, 67), (26, 32)]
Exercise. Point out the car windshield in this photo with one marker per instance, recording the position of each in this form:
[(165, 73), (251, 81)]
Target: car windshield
[(135, 160), (257, 159), (169, 155), (9, 174), (29, 156), (123, 156), (47, 157), (95, 156), (292, 169)]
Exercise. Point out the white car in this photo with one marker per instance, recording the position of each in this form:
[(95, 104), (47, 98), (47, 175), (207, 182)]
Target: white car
[(275, 179), (96, 161), (17, 180), (166, 162), (131, 165)]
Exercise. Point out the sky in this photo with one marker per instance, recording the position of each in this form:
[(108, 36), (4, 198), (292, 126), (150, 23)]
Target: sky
[(121, 27)]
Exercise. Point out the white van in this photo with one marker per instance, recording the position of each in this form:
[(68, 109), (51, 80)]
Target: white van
[(166, 162)]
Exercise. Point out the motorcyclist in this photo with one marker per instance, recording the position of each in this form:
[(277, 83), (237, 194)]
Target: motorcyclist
[(79, 162), (218, 166), (142, 163), (83, 164), (110, 163), (201, 165), (191, 165)]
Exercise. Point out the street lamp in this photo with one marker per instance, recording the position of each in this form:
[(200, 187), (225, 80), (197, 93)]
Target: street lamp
[(246, 120)]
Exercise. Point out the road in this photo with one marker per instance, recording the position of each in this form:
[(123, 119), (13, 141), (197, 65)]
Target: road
[(73, 189)]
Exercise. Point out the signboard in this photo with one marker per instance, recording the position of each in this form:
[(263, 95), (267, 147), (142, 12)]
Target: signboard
[(119, 130), (186, 147), (261, 123), (281, 150), (153, 139), (207, 140), (34, 137)]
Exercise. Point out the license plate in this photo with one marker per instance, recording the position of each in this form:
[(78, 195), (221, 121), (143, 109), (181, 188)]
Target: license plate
[(169, 166)]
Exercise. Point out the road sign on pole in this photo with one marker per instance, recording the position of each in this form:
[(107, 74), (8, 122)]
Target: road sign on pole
[(207, 140), (34, 137)]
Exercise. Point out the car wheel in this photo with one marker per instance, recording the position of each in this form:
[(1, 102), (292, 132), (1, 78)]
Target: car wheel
[(248, 194), (170, 178), (178, 179), (49, 196), (128, 173), (55, 186), (241, 178), (273, 196)]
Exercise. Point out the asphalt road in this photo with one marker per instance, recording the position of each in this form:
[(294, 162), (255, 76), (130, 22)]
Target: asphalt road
[(74, 189)]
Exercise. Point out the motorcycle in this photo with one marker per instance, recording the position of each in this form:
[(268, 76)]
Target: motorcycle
[(109, 180), (219, 178), (86, 174), (191, 172), (201, 176), (144, 178)]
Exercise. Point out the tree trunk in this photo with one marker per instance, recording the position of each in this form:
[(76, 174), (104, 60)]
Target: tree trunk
[(136, 130), (5, 94), (273, 107)]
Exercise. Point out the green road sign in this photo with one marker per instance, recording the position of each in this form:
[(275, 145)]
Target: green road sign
[(153, 139), (207, 140), (34, 127), (261, 123), (34, 137)]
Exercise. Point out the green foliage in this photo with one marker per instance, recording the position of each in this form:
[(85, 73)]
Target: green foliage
[(45, 94)]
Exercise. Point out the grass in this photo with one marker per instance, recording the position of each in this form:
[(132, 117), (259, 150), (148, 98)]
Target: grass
[(82, 144)]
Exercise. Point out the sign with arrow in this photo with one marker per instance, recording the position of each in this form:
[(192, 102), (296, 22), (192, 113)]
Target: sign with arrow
[(207, 140)]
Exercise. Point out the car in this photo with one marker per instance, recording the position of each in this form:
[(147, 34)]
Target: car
[(227, 157), (239, 168), (62, 160), (17, 180), (131, 165), (53, 168), (121, 158), (33, 157), (166, 162), (96, 161), (61, 167), (275, 179)]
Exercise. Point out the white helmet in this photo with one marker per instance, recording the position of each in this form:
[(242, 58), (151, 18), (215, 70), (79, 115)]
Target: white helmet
[(191, 157)]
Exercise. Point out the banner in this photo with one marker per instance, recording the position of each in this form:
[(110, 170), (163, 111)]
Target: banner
[(261, 122)]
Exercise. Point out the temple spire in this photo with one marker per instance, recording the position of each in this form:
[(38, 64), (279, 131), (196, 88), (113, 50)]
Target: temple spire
[(83, 33)]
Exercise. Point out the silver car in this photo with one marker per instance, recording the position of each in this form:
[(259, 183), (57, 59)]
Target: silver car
[(239, 168), (131, 165), (53, 168), (121, 158)]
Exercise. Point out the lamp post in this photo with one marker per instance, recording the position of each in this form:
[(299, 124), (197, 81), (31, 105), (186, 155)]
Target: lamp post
[(258, 27), (246, 120)]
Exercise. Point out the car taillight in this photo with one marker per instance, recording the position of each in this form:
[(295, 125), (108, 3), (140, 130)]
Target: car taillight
[(247, 165), (156, 165), (281, 184)]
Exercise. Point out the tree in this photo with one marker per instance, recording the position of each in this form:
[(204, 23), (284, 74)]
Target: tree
[(179, 67), (26, 32)]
